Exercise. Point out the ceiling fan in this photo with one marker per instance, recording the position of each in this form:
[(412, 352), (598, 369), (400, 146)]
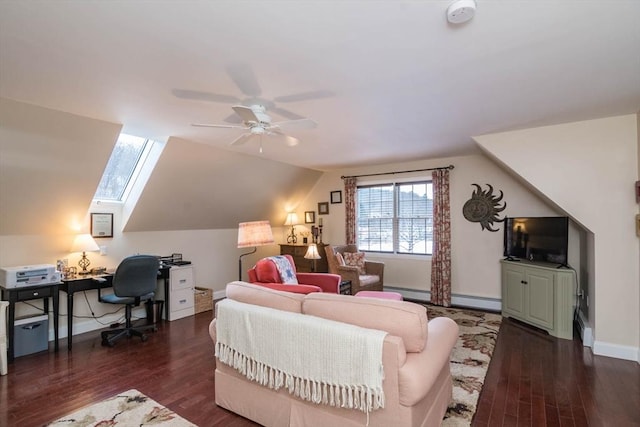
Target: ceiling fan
[(257, 122), (245, 80)]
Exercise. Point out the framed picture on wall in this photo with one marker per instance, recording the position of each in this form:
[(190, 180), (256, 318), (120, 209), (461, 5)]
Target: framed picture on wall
[(309, 217), (336, 196), (323, 208), (101, 225)]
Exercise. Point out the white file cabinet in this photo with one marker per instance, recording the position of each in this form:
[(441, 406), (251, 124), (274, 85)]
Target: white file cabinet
[(181, 292)]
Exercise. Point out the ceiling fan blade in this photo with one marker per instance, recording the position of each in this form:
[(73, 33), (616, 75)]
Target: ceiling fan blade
[(246, 113), (212, 125), (204, 96), (290, 140), (304, 96), (241, 139), (285, 113), (242, 75), (296, 124), (233, 118)]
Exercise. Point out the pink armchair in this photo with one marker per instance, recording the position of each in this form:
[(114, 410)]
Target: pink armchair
[(266, 274)]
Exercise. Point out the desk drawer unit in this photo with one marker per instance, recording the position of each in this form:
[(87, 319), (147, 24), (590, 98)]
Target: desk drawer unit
[(34, 294), (181, 292)]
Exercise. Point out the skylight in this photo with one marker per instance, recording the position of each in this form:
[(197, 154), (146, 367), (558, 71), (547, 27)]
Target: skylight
[(124, 164)]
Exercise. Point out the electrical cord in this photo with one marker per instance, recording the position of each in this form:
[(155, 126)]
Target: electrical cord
[(93, 316)]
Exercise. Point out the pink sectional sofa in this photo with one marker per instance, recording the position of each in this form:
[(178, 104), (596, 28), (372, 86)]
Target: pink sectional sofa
[(416, 351)]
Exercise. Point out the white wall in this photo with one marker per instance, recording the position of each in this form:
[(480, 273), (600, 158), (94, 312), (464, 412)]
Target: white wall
[(588, 168), (214, 255), (475, 253)]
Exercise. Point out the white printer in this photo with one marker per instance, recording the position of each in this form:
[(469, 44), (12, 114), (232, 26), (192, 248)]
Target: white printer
[(28, 275)]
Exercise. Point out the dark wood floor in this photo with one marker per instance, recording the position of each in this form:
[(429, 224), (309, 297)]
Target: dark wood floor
[(533, 380)]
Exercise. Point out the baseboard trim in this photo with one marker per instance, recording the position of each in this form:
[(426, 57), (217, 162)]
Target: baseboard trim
[(219, 295), (470, 301), (615, 350)]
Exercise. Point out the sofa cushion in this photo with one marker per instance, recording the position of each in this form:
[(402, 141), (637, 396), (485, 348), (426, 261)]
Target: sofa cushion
[(355, 259), (404, 319), (265, 297), (369, 279)]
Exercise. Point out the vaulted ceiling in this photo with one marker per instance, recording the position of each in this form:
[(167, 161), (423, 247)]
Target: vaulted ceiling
[(385, 80)]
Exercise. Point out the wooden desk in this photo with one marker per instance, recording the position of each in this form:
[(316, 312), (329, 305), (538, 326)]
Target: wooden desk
[(79, 284), (14, 295), (86, 283)]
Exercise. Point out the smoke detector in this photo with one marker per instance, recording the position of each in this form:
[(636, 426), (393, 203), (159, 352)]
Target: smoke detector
[(461, 11)]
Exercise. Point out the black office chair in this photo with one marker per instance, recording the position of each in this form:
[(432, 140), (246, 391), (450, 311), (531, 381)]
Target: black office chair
[(133, 282)]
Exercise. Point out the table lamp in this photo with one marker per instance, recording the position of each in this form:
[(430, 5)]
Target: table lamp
[(312, 254), (292, 220), (254, 233), (84, 243)]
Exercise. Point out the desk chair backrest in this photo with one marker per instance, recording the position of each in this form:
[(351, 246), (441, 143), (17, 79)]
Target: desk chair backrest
[(136, 276)]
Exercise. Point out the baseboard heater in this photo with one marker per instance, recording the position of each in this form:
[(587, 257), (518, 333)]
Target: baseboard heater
[(482, 303)]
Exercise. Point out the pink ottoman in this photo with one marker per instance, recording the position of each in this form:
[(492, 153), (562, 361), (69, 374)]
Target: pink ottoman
[(380, 294)]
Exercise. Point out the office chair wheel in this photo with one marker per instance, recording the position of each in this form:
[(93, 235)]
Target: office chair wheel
[(144, 338), (107, 343)]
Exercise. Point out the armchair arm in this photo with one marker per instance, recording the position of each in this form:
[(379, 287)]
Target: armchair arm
[(348, 272), (326, 281), (296, 289), (374, 267)]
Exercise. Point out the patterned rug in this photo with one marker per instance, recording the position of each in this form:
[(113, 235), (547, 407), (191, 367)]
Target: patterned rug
[(130, 408), (469, 359)]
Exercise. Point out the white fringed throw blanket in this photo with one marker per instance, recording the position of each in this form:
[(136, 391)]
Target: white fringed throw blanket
[(318, 360)]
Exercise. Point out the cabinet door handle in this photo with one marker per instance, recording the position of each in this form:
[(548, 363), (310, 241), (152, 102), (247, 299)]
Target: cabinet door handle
[(524, 282), (183, 280)]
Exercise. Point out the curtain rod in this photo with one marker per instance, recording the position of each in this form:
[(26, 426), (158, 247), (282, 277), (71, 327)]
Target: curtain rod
[(393, 173)]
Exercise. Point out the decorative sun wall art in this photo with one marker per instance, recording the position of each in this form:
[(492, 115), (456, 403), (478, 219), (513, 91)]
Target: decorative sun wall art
[(484, 207)]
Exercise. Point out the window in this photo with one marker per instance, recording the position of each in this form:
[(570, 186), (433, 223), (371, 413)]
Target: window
[(122, 166), (395, 218)]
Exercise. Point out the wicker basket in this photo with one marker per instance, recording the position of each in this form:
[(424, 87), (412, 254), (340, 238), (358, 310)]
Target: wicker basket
[(204, 299)]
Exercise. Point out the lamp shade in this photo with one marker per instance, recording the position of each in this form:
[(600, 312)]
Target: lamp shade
[(254, 233), (84, 243), (292, 219), (312, 252)]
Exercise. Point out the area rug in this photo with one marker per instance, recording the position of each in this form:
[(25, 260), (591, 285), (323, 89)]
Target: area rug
[(130, 408), (469, 359)]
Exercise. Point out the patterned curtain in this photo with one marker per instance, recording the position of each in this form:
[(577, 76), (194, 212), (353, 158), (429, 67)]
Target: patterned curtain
[(350, 187), (441, 259)]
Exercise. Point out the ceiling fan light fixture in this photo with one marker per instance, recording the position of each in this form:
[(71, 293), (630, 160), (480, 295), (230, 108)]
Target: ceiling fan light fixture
[(257, 130), (461, 11)]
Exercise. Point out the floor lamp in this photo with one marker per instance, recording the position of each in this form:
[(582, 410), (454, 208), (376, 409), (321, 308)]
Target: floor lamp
[(254, 233)]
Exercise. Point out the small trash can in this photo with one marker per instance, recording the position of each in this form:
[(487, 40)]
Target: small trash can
[(31, 335), (154, 311)]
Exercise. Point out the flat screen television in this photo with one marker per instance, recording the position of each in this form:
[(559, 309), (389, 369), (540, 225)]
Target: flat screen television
[(543, 239)]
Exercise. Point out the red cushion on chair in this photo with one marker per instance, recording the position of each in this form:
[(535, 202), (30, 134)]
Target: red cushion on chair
[(267, 272)]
